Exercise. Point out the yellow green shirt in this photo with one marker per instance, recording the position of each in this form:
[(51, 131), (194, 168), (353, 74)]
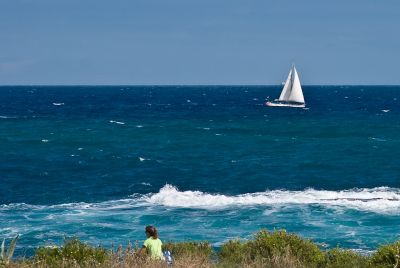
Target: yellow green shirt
[(153, 247)]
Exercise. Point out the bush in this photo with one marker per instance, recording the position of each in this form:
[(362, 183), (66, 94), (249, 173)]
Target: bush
[(340, 258), (74, 251), (49, 256), (234, 252), (387, 256), (267, 246)]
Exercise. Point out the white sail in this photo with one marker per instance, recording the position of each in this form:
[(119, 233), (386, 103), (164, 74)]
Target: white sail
[(296, 94), (292, 94), (287, 88)]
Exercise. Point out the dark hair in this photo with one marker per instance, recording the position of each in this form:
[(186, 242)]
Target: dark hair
[(152, 231)]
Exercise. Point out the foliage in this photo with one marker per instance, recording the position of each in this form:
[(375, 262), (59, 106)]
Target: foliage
[(77, 254), (277, 249), (387, 256), (267, 245), (6, 256), (233, 252), (340, 258), (188, 248), (73, 250)]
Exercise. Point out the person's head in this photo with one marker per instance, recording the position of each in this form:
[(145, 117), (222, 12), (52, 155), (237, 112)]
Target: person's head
[(151, 231)]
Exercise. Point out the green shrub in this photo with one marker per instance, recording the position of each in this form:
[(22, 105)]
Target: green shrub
[(49, 256), (340, 258), (387, 256), (267, 246), (73, 251), (234, 252), (237, 254)]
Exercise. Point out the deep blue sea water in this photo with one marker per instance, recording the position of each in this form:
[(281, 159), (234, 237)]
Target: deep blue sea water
[(199, 162)]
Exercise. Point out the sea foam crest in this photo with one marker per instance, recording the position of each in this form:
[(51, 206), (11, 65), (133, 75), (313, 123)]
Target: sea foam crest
[(378, 200), (382, 200)]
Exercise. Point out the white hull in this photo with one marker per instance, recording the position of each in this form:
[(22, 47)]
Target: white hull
[(276, 104)]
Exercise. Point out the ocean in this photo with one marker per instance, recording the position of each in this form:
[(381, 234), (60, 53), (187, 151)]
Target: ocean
[(200, 163)]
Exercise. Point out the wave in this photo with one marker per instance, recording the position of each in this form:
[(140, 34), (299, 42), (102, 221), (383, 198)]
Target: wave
[(381, 200), (117, 122), (74, 209), (7, 117), (378, 200)]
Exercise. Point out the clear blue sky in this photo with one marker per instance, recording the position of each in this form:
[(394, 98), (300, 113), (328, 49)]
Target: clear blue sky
[(199, 42)]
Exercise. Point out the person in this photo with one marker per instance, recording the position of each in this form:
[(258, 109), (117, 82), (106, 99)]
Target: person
[(152, 245)]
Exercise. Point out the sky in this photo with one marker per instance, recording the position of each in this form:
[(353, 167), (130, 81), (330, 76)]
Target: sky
[(193, 42)]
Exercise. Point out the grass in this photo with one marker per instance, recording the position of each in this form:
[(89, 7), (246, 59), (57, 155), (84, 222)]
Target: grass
[(6, 256), (277, 249)]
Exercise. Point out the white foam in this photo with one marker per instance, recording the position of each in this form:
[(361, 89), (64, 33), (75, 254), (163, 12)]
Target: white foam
[(385, 111), (376, 139), (45, 140), (117, 122), (58, 103), (379, 200), (80, 208)]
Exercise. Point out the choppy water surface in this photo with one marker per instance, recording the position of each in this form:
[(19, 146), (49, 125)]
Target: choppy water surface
[(203, 163)]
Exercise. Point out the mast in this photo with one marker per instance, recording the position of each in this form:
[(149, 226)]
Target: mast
[(292, 69)]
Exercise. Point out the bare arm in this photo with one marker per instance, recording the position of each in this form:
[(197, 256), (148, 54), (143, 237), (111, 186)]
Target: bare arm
[(143, 251)]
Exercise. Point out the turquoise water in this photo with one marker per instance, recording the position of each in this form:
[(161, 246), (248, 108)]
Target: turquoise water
[(203, 163)]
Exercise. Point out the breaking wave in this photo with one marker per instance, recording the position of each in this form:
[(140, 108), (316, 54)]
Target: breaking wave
[(381, 200)]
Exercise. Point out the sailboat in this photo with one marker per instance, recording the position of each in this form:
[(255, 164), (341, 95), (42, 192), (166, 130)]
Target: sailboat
[(292, 94)]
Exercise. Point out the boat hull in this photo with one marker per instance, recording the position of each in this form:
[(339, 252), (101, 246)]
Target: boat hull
[(278, 104)]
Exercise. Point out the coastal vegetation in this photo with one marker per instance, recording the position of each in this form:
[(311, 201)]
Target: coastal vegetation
[(5, 256), (277, 249)]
